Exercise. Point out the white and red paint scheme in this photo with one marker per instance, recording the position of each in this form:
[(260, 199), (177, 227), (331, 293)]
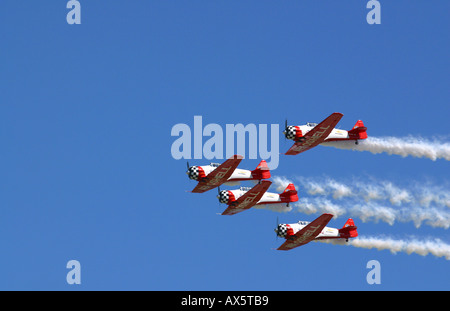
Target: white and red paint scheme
[(261, 172), (215, 174), (313, 134), (303, 232), (245, 197)]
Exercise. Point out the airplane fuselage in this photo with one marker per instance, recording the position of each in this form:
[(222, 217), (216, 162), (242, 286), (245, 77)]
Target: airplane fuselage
[(230, 196), (326, 233), (238, 174), (267, 198), (336, 134), (288, 231), (299, 133)]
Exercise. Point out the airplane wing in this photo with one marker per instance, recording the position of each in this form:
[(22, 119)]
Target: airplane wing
[(317, 135), (249, 199), (307, 234), (219, 175)]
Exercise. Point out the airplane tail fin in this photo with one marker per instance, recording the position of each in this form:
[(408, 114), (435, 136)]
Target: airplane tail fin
[(289, 194), (262, 171), (358, 131), (349, 229)]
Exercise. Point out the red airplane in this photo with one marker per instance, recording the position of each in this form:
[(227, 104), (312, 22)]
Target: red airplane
[(244, 198), (312, 134), (214, 175), (304, 232)]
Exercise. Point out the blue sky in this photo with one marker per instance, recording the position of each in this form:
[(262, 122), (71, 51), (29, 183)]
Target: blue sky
[(87, 110)]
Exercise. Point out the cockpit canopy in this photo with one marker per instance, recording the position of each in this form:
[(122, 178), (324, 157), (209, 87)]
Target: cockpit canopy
[(311, 124)]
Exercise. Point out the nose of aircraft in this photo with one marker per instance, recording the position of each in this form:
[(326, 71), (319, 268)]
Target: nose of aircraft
[(290, 132), (193, 172), (281, 230), (223, 196)]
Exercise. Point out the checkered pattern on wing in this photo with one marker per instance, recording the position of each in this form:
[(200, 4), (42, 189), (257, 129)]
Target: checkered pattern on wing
[(224, 196), (193, 172), (290, 132), (282, 230)]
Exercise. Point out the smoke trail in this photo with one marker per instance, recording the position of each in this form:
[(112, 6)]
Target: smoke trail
[(373, 201), (435, 247), (320, 205), (374, 213), (430, 216), (422, 194), (405, 146)]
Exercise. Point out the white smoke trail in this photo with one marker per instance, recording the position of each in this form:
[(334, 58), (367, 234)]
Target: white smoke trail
[(435, 247), (319, 205), (404, 146), (374, 212), (430, 216), (373, 201), (422, 194)]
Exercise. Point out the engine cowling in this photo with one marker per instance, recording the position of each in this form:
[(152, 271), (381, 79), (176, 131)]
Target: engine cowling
[(293, 132), (284, 231), (195, 172), (226, 197)]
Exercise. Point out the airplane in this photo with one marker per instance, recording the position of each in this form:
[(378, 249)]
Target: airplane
[(244, 198), (215, 174), (312, 134), (304, 232)]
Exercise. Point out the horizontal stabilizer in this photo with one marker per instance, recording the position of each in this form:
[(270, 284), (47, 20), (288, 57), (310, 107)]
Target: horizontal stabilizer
[(262, 171), (358, 131), (349, 229)]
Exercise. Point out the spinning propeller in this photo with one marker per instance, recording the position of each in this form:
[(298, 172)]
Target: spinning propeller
[(276, 229)]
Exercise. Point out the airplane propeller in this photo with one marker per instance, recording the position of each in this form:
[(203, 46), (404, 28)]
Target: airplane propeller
[(285, 130), (276, 229), (218, 194)]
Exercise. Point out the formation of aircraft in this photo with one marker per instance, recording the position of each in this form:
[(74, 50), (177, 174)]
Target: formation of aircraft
[(303, 232), (312, 134), (214, 175), (305, 137)]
